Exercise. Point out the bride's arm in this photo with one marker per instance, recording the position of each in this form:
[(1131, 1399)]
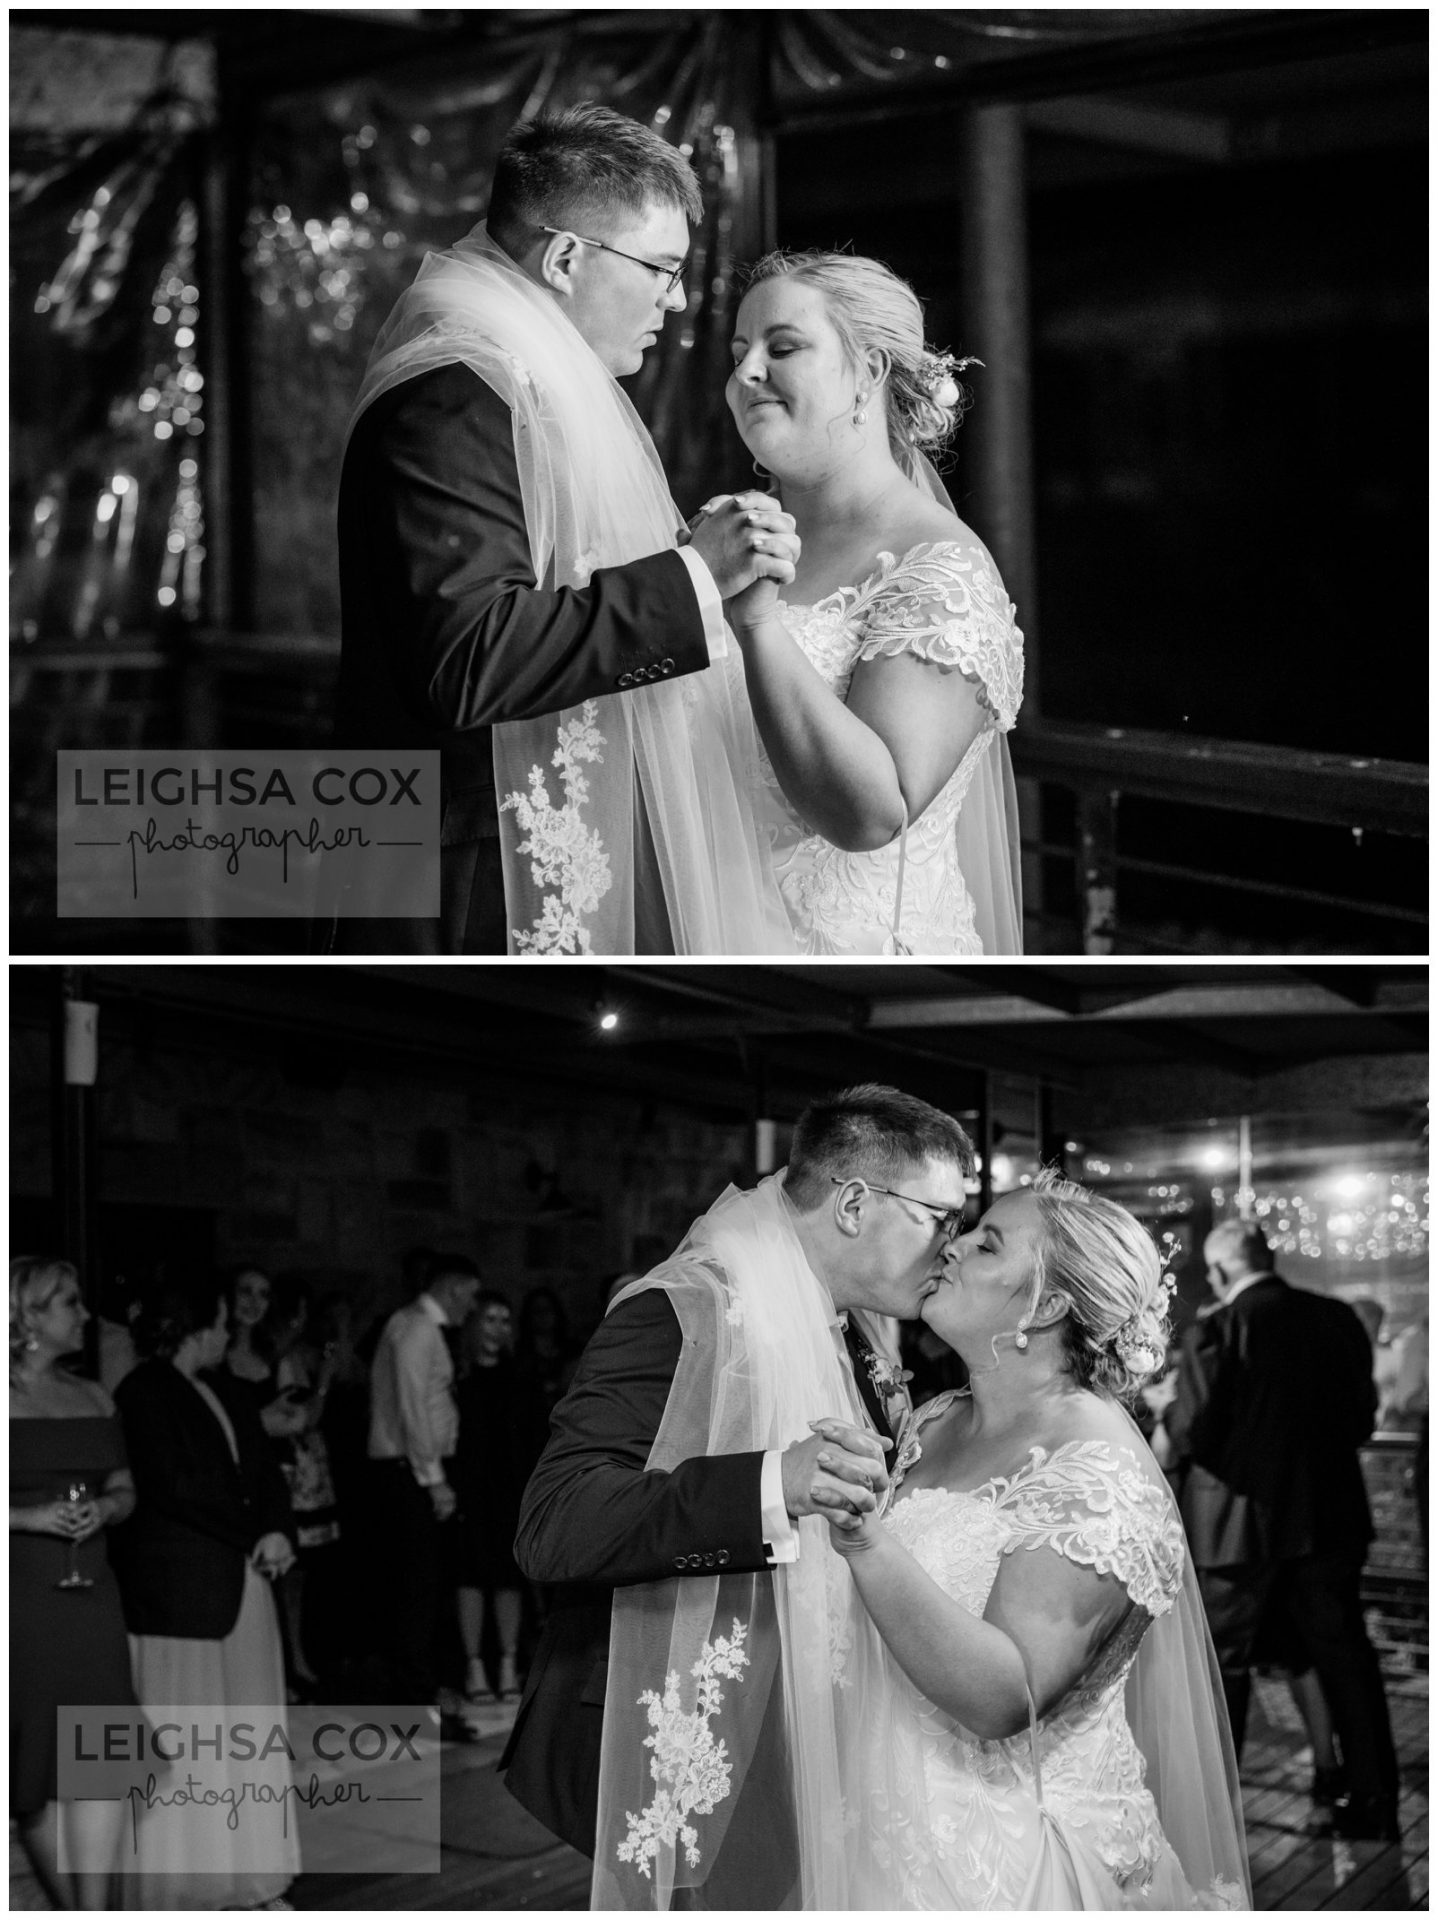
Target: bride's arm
[(851, 771), (1046, 1619)]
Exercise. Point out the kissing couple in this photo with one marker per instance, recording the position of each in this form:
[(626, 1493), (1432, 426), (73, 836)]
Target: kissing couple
[(810, 1647), (778, 729)]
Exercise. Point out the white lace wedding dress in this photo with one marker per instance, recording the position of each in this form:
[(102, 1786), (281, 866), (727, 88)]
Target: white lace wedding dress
[(939, 1819), (945, 603)]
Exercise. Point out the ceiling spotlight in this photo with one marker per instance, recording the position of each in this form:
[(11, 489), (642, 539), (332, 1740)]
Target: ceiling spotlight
[(607, 1016)]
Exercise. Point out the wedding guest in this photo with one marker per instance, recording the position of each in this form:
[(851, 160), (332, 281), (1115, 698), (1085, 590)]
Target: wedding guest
[(116, 1306), (502, 1422), (352, 1630), (250, 1355), (1274, 1398), (308, 1593), (68, 1484), (195, 1560), (414, 1429), (544, 1354)]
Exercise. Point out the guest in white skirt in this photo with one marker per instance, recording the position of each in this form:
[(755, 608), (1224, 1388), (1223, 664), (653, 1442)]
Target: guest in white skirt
[(211, 1530)]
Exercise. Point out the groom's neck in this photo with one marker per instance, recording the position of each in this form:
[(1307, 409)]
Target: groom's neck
[(811, 1239)]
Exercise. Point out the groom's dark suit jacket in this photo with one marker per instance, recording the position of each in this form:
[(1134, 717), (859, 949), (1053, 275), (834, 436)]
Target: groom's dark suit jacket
[(1275, 1397), (593, 1519), (446, 631)]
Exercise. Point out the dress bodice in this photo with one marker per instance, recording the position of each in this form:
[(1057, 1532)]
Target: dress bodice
[(46, 1456), (942, 602), (1094, 1503)]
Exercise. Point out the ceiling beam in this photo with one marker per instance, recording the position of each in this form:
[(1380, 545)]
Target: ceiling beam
[(1272, 999), (1239, 41)]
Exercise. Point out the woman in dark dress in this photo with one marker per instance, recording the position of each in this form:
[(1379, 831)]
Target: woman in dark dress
[(501, 1435), (68, 1483), (209, 1534)]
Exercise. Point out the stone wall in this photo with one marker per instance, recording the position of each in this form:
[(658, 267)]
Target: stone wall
[(540, 1185)]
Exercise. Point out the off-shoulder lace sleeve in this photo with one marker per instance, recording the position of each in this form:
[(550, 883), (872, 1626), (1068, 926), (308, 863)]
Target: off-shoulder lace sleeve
[(946, 603), (1094, 1504)]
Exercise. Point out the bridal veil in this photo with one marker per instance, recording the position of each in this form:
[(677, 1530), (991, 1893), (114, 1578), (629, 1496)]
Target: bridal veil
[(656, 781)]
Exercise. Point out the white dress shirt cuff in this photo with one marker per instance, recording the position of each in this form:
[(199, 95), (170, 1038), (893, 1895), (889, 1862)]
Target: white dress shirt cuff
[(429, 1473), (781, 1542), (711, 607)]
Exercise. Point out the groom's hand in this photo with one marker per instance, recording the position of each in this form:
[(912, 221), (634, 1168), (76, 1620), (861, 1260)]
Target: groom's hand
[(745, 537), (840, 1467)]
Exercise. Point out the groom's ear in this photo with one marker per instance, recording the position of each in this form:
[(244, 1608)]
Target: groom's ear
[(556, 265), (849, 1207)]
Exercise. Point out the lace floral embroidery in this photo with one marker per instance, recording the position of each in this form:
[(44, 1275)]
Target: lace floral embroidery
[(564, 852), (690, 1768), (1083, 1502), (946, 603)]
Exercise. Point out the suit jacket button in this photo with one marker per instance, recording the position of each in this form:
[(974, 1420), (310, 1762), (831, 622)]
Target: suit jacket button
[(625, 680), (666, 666), (722, 1556), (680, 1562), (708, 1559)]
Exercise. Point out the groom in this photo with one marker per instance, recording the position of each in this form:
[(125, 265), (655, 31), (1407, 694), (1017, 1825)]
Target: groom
[(875, 1190), (446, 631)]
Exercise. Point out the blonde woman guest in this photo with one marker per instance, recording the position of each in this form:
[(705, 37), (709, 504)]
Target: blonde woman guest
[(68, 1484)]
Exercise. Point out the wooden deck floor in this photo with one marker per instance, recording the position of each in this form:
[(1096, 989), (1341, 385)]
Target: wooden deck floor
[(1295, 1871), (496, 1859)]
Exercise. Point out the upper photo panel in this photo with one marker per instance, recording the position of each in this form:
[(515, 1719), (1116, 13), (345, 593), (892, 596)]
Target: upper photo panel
[(769, 484)]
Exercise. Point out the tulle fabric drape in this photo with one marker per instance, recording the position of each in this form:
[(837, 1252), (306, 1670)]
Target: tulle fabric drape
[(986, 833), (727, 1700), (628, 818)]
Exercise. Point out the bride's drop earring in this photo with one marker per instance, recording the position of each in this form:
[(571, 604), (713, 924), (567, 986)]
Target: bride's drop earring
[(1021, 1340), (860, 410)]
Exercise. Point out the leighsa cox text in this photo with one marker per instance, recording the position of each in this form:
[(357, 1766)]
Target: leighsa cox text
[(167, 834)]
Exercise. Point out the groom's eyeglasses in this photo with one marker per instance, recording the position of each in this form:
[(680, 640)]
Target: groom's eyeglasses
[(670, 275), (950, 1219)]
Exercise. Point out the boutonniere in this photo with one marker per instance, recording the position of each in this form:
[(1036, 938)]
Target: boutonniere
[(890, 1383)]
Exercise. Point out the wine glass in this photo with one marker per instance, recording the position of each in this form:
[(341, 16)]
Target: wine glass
[(77, 1493)]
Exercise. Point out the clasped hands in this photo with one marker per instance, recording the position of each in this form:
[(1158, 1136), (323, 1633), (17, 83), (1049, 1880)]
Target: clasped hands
[(68, 1519), (748, 543), (840, 1474)]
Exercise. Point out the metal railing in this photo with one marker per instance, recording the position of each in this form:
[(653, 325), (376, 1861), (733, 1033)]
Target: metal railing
[(1101, 765), (242, 686)]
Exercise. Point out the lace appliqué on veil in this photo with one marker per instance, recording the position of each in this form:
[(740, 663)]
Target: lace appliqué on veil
[(690, 1768), (563, 851), (1085, 1503)]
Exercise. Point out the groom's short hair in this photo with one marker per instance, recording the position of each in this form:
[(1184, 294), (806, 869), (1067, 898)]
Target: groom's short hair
[(872, 1133), (579, 166)]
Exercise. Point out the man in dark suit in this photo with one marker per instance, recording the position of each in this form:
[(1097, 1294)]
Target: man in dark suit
[(446, 631), (595, 1518), (1274, 1397)]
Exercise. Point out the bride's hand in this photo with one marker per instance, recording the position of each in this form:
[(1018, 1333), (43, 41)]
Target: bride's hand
[(742, 538), (753, 606), (853, 1533)]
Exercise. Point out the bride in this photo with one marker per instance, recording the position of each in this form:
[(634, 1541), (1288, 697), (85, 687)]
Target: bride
[(1045, 1730), (884, 680)]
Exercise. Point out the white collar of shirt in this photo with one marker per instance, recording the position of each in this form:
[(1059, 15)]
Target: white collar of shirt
[(1242, 1286), (432, 1310)]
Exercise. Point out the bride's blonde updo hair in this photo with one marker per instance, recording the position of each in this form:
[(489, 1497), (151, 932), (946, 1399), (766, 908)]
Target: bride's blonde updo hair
[(873, 309), (1099, 1257)]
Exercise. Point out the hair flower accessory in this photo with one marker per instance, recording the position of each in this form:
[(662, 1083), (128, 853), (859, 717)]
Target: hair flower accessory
[(940, 377)]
